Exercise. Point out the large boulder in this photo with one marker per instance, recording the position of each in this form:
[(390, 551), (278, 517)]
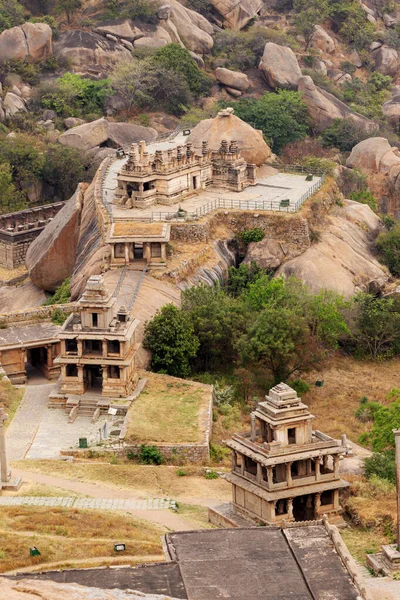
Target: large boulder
[(236, 15), (86, 136), (386, 60), (193, 29), (268, 253), (13, 104), (51, 256), (124, 134), (321, 40), (391, 108), (279, 66), (369, 154), (87, 50), (232, 79), (31, 42), (226, 126), (343, 260), (324, 108)]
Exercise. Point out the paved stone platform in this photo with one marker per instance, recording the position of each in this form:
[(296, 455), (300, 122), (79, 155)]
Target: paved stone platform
[(89, 503)]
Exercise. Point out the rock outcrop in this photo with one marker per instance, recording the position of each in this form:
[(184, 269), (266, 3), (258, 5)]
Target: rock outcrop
[(386, 60), (236, 15), (123, 134), (232, 79), (84, 137), (268, 253), (31, 42), (324, 108), (13, 104), (321, 40), (373, 155), (87, 50), (226, 126), (342, 260), (51, 256), (280, 67), (391, 108)]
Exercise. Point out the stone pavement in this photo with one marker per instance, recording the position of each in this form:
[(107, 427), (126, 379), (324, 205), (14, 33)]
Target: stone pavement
[(22, 429), (89, 503)]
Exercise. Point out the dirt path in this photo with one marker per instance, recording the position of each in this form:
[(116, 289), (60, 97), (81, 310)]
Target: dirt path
[(168, 519)]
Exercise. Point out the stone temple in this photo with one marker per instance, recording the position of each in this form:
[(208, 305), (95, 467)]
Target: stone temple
[(283, 470), (166, 177)]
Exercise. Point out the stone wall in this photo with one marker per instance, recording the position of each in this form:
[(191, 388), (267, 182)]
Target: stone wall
[(35, 315), (19, 229)]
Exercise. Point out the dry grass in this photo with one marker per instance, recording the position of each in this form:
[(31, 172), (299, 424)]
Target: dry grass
[(345, 382), (8, 274), (122, 229), (10, 398), (70, 534), (361, 542), (169, 410), (148, 481), (39, 490)]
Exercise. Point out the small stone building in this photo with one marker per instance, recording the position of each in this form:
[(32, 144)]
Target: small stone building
[(98, 347), (283, 470), (139, 244), (168, 176)]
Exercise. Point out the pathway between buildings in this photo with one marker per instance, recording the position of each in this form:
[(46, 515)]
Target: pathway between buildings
[(25, 424), (89, 503)]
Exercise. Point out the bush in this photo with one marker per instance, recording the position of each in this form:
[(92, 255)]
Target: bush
[(344, 135), (388, 245), (389, 222), (252, 235), (61, 295), (150, 455), (12, 13), (72, 95), (365, 197), (211, 475), (282, 117), (173, 57), (301, 386), (239, 278), (58, 317), (218, 452), (142, 10)]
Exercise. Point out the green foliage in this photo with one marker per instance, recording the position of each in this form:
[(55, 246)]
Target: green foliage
[(389, 222), (62, 294), (142, 10), (252, 235), (10, 198), (386, 418), (343, 134), (348, 67), (240, 277), (365, 196), (73, 95), (25, 158), (204, 7), (180, 472), (241, 50), (282, 117), (58, 317), (218, 452), (29, 72), (171, 338), (223, 395), (375, 325), (210, 475), (352, 23), (150, 455), (63, 169), (301, 386), (388, 245), (308, 14), (173, 57), (69, 7), (11, 14)]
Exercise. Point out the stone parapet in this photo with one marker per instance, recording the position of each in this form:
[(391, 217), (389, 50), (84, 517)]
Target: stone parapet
[(35, 315)]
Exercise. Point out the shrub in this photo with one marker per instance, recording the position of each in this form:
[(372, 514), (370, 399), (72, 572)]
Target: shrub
[(150, 455), (61, 295), (142, 10), (181, 473), (252, 235), (365, 197), (389, 222), (388, 245), (301, 386), (73, 95), (11, 14), (58, 317), (223, 395), (218, 452), (348, 67), (211, 475), (282, 117), (344, 135), (63, 169), (173, 57), (239, 278)]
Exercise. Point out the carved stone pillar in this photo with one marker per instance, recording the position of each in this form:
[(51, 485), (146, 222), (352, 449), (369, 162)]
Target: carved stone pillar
[(290, 508), (317, 469), (127, 253), (270, 477), (259, 473), (336, 465), (317, 503), (289, 474), (105, 348), (253, 436)]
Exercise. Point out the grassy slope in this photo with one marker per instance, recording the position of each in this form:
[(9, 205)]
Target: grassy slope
[(10, 398), (169, 410), (69, 534)]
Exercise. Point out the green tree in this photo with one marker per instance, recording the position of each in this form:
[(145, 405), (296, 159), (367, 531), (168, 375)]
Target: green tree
[(239, 278), (73, 95), (63, 169), (279, 339), (388, 245), (375, 325), (10, 198), (309, 13), (69, 7), (25, 158), (177, 59), (11, 14), (324, 313), (282, 117), (344, 135), (385, 419), (171, 339)]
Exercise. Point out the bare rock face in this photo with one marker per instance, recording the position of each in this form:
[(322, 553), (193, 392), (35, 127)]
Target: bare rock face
[(232, 79), (280, 67), (369, 154), (86, 136), (40, 589), (322, 40), (391, 109), (324, 108), (342, 261), (268, 254), (123, 134), (386, 60), (235, 15), (31, 42), (193, 29), (87, 50), (12, 104), (51, 256), (226, 126)]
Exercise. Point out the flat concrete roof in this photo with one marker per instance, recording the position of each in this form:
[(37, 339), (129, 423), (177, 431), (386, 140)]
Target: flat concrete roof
[(131, 230), (28, 336)]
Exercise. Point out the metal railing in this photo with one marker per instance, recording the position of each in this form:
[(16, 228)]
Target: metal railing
[(135, 293), (120, 282)]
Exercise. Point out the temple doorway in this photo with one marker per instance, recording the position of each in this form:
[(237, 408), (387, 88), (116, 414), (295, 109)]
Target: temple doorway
[(36, 363), (93, 377), (304, 508)]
